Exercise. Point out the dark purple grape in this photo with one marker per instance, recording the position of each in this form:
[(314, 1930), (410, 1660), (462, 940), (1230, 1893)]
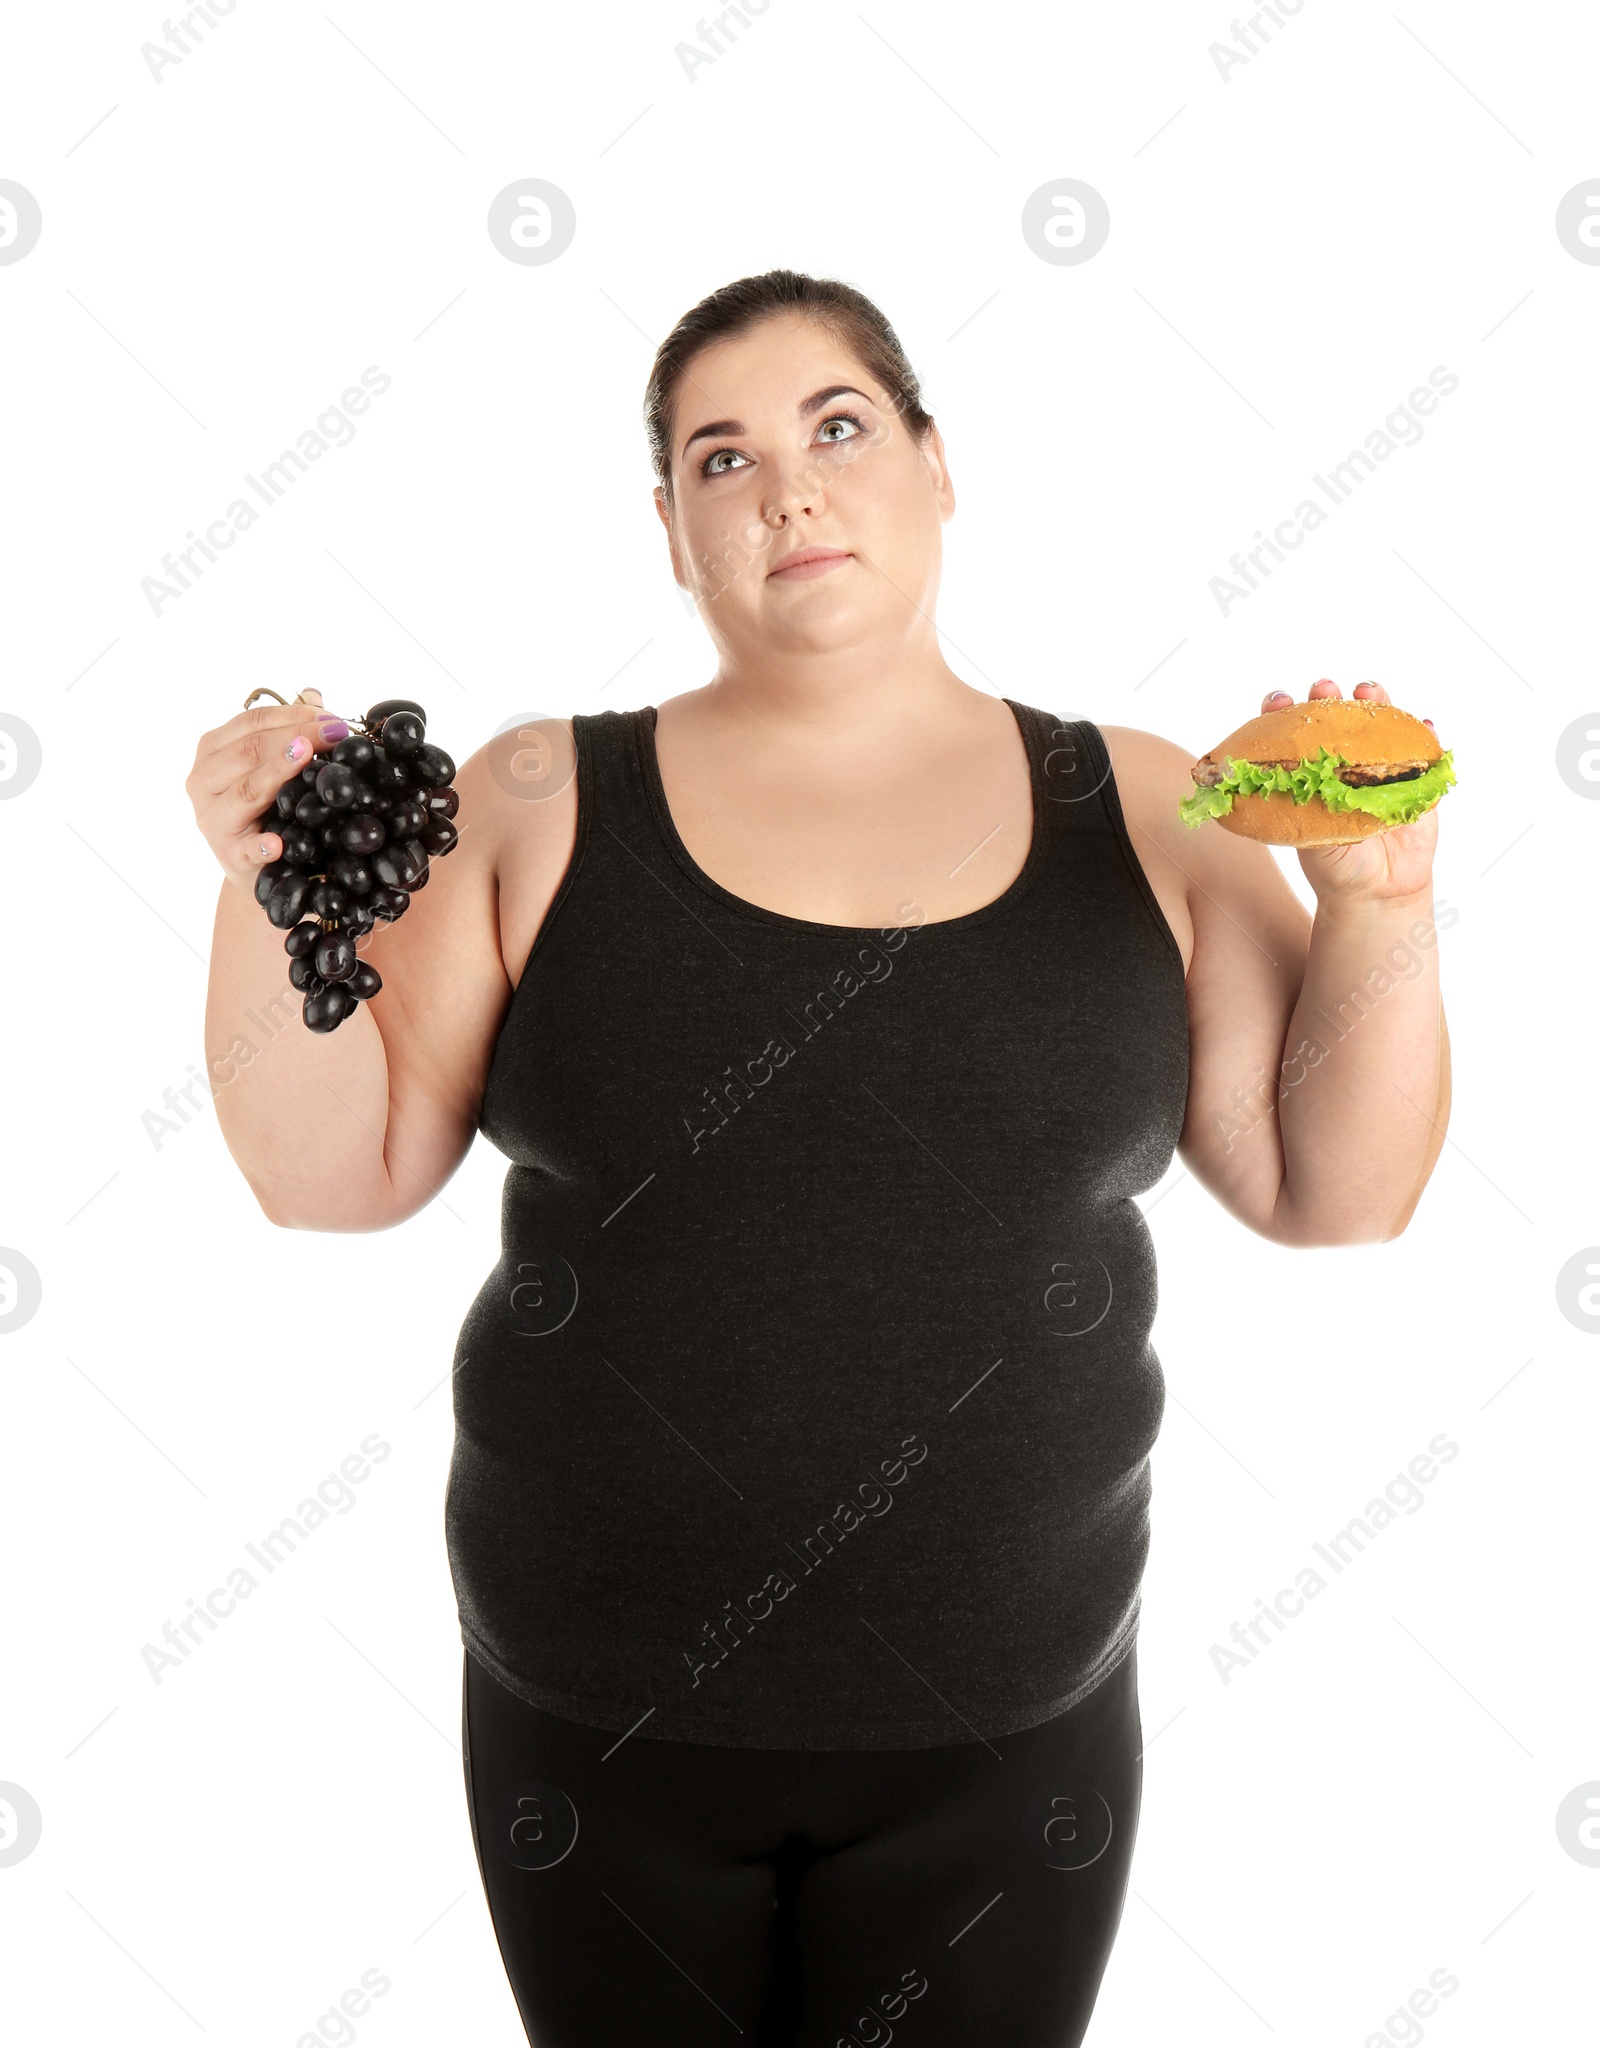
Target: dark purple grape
[(354, 752), (390, 775), (335, 956), (284, 802), (360, 920), (311, 810), (444, 803), (270, 876), (365, 983), (299, 844), (388, 707), (328, 837), (325, 1011), (440, 838), (361, 835), (432, 767), (287, 900), (407, 819), (327, 899), (303, 974), (387, 865), (403, 733), (302, 937), (352, 874), (388, 901), (336, 785)]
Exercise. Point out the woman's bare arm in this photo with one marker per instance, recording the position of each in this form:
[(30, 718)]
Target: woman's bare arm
[(357, 1128), (1317, 1046)]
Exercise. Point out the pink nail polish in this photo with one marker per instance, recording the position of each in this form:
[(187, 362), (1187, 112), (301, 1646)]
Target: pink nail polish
[(298, 748)]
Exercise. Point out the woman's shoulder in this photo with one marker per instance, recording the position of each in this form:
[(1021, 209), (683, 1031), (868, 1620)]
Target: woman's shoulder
[(1153, 774)]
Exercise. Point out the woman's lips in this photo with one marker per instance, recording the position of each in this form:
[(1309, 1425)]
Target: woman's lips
[(800, 572)]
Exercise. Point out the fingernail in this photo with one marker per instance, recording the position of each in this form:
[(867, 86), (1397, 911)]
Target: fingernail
[(298, 748), (1427, 721), (263, 847), (335, 729)]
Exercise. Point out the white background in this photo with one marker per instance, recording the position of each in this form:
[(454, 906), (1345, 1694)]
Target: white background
[(1291, 252)]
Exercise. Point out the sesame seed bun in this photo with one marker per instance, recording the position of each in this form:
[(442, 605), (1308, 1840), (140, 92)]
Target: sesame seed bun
[(1373, 738)]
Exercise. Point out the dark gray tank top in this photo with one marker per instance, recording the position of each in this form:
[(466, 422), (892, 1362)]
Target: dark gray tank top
[(809, 1404)]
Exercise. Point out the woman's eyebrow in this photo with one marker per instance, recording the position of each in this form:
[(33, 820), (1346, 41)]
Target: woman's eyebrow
[(807, 406)]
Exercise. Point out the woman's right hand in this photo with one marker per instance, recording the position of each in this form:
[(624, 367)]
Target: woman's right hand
[(240, 767)]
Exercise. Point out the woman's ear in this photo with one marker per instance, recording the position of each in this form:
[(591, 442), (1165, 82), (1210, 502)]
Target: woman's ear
[(938, 473), (660, 497)]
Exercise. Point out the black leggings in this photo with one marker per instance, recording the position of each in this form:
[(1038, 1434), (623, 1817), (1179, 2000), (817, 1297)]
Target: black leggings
[(676, 1892)]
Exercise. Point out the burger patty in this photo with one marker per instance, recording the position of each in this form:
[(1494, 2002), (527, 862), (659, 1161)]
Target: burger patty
[(1207, 773)]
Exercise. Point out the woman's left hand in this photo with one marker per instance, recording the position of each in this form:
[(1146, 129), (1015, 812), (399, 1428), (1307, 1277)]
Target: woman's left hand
[(1393, 864)]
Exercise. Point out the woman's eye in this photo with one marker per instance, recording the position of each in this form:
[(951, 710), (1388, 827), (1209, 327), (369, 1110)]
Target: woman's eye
[(714, 466)]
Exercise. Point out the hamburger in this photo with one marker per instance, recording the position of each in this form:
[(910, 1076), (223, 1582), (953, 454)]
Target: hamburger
[(1321, 773)]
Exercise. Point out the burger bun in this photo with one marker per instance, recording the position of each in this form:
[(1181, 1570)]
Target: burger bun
[(1365, 735)]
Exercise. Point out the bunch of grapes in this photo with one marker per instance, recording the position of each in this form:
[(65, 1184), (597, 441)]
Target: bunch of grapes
[(358, 825)]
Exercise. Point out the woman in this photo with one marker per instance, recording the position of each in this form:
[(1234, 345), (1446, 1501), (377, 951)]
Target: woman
[(831, 1017)]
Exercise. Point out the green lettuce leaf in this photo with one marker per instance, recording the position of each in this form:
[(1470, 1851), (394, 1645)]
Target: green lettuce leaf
[(1397, 803)]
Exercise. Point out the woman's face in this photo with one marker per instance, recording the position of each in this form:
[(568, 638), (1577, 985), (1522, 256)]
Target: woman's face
[(783, 441)]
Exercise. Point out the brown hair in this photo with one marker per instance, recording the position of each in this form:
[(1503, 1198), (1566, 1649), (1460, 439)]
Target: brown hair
[(849, 317)]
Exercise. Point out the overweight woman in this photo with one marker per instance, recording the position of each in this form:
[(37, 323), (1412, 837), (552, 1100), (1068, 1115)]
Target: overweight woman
[(831, 1016)]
